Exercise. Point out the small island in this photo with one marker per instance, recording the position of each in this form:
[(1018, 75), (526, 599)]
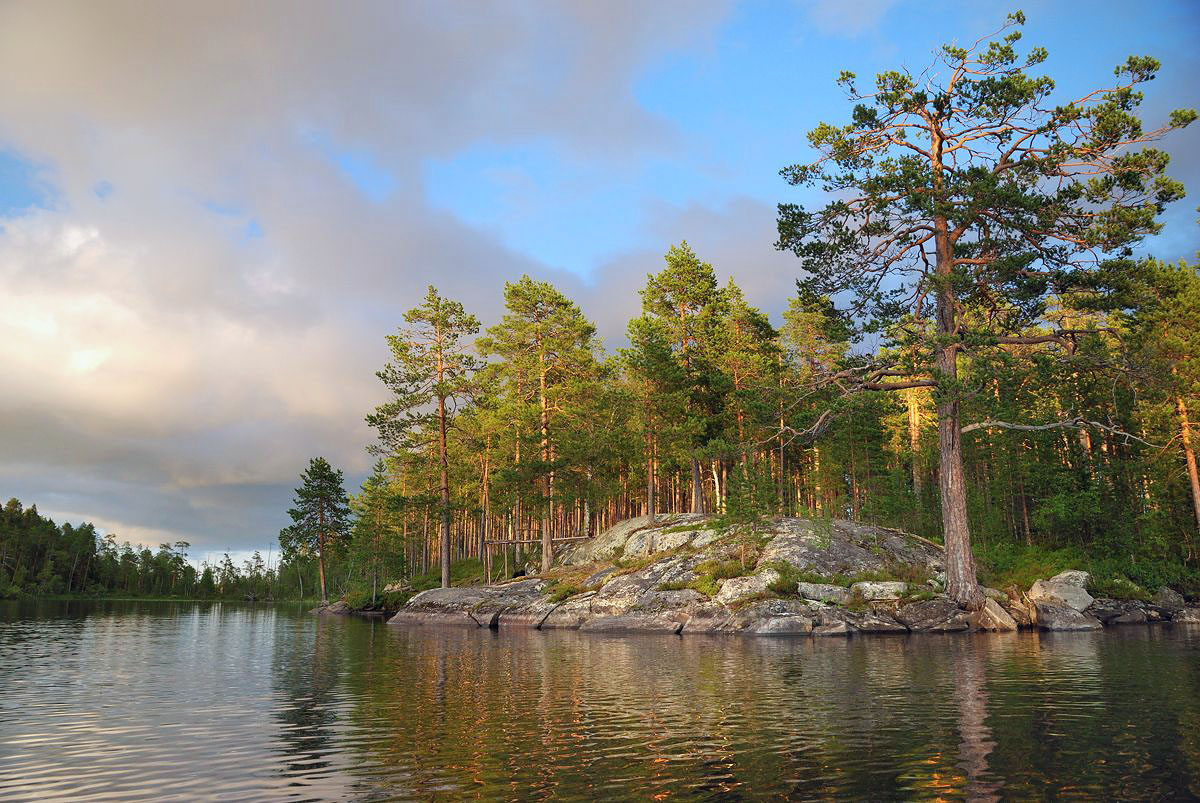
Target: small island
[(795, 577)]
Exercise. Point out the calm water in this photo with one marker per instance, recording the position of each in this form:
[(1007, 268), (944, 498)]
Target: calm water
[(195, 701)]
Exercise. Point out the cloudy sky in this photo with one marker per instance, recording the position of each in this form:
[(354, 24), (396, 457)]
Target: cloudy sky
[(211, 213)]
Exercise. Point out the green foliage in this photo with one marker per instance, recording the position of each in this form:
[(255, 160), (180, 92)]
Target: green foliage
[(723, 569), (561, 592), (748, 507)]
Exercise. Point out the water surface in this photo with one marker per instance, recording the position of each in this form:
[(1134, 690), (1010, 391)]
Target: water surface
[(125, 701)]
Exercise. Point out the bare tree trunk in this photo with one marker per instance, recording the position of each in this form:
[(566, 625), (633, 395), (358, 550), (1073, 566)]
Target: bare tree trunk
[(547, 480), (697, 488), (962, 585), (650, 501), (321, 565), (914, 437), (1190, 455), (443, 461)]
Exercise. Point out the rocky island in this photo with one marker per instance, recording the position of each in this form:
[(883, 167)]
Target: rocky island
[(794, 577)]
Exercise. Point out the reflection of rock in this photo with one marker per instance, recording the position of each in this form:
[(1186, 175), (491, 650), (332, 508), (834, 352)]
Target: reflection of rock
[(1066, 588), (1056, 616)]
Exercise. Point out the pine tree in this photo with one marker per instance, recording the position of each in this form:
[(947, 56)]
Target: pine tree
[(661, 393), (685, 298), (544, 337), (320, 520), (968, 191), (430, 365)]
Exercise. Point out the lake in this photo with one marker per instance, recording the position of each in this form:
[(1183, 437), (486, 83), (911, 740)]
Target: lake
[(187, 701)]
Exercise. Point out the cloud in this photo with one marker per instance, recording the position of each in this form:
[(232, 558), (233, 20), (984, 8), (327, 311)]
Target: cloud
[(849, 18), (239, 218)]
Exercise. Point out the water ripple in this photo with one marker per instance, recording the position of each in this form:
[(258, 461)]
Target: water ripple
[(164, 701)]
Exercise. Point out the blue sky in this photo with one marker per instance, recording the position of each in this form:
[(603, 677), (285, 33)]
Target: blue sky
[(210, 220), (741, 105)]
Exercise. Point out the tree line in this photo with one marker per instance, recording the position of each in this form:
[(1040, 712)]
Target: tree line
[(41, 558), (1029, 382)]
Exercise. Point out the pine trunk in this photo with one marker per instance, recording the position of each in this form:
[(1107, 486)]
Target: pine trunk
[(962, 585), (1189, 455)]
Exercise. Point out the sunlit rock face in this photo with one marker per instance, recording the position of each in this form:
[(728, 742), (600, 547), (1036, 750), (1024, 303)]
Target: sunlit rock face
[(1067, 588), (792, 577)]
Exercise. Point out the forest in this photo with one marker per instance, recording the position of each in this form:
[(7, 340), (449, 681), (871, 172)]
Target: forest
[(44, 559), (975, 352), (978, 351)]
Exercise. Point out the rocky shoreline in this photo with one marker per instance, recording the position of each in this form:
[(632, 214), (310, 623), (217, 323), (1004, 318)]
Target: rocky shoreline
[(798, 577)]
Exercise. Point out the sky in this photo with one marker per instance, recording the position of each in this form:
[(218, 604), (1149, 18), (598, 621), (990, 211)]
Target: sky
[(211, 214)]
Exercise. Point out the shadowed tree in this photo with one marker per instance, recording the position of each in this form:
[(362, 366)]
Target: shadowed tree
[(320, 519), (661, 392), (429, 373), (967, 189)]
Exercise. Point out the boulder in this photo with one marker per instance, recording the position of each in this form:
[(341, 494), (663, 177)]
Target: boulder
[(619, 595), (934, 616), (528, 614), (833, 629), (1122, 611), (508, 598), (1067, 588), (874, 590), (755, 616), (824, 592), (1053, 615), (658, 601), (1186, 616), (570, 614), (599, 577), (443, 606), (634, 623), (1168, 600), (874, 622), (784, 626), (992, 616), (844, 547), (994, 594), (1134, 617), (737, 588), (1021, 611), (338, 608), (708, 617), (638, 536), (1072, 577)]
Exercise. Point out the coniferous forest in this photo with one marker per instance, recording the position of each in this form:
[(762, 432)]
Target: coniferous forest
[(978, 350)]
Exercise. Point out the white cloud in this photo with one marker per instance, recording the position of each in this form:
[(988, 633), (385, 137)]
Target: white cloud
[(848, 18), (176, 347)]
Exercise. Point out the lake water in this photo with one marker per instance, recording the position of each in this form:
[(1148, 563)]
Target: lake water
[(122, 701)]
